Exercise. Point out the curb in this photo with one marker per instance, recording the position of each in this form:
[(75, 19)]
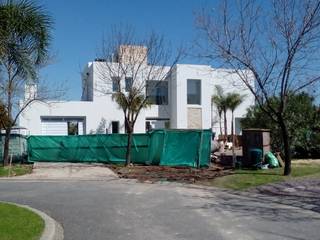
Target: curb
[(34, 179), (52, 229)]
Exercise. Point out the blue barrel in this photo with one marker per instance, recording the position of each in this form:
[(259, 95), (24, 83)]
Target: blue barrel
[(256, 156)]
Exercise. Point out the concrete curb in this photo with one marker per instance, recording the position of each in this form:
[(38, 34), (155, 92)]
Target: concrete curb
[(17, 179), (68, 171), (52, 229)]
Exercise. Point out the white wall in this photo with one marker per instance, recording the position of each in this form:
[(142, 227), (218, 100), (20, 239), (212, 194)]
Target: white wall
[(93, 112), (230, 82), (173, 98), (102, 92), (179, 106), (99, 104)]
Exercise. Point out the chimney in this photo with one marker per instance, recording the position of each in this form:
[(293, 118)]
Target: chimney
[(132, 54)]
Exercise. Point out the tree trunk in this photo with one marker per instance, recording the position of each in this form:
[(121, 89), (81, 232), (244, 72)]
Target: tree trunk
[(8, 128), (225, 126), (286, 145), (233, 142), (129, 144), (220, 124), (6, 147), (232, 130)]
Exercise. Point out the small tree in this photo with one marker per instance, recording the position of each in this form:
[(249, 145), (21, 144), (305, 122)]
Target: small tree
[(274, 50), (133, 62), (217, 100), (101, 129), (24, 41), (222, 104), (234, 101)]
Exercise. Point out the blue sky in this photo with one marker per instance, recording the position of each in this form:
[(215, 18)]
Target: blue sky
[(80, 25)]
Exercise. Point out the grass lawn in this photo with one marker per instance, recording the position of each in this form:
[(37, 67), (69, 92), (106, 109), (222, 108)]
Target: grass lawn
[(18, 223), (16, 170), (243, 179)]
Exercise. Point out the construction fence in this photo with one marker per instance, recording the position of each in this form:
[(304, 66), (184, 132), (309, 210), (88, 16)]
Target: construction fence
[(160, 147), (17, 147)]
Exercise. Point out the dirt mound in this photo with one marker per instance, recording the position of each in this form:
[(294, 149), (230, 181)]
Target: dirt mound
[(162, 173)]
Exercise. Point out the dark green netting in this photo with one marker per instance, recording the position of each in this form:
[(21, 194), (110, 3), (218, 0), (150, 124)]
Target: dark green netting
[(17, 147), (205, 148), (159, 147)]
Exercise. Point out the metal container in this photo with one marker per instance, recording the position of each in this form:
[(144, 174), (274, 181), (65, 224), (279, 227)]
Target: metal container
[(254, 138)]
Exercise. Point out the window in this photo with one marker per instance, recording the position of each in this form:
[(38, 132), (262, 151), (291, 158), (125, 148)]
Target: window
[(157, 92), (129, 82), (73, 128), (115, 84), (194, 91), (115, 126)]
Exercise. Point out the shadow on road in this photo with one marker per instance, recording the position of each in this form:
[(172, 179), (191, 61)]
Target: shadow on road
[(288, 201), (301, 194)]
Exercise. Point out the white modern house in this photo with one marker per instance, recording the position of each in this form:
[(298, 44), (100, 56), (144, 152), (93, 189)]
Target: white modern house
[(182, 101)]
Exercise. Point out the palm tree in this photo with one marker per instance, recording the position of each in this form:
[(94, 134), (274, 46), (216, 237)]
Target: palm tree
[(24, 42), (233, 101), (217, 100), (220, 100), (131, 104)]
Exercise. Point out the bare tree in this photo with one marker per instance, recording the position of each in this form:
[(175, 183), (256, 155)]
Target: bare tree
[(274, 50), (132, 69), (19, 97)]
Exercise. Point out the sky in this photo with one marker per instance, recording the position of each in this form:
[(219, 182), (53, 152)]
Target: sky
[(79, 27)]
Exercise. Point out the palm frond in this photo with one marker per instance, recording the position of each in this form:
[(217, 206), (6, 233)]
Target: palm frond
[(24, 35), (132, 102), (233, 100), (219, 99)]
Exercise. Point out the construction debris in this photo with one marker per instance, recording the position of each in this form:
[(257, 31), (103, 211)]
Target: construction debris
[(278, 156)]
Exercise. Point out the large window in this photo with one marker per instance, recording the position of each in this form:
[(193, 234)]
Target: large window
[(157, 92), (194, 91), (115, 84), (129, 82)]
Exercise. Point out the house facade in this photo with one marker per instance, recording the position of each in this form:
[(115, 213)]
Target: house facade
[(181, 101)]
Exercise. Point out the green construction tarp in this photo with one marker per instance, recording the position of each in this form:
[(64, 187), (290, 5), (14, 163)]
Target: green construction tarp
[(185, 148), (17, 147), (160, 147)]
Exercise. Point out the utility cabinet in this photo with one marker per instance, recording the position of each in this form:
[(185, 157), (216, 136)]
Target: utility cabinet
[(254, 138)]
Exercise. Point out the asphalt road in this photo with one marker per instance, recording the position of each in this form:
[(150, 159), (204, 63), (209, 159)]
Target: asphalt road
[(117, 209)]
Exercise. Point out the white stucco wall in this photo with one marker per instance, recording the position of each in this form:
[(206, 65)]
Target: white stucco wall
[(93, 112), (179, 105), (97, 103), (230, 82)]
